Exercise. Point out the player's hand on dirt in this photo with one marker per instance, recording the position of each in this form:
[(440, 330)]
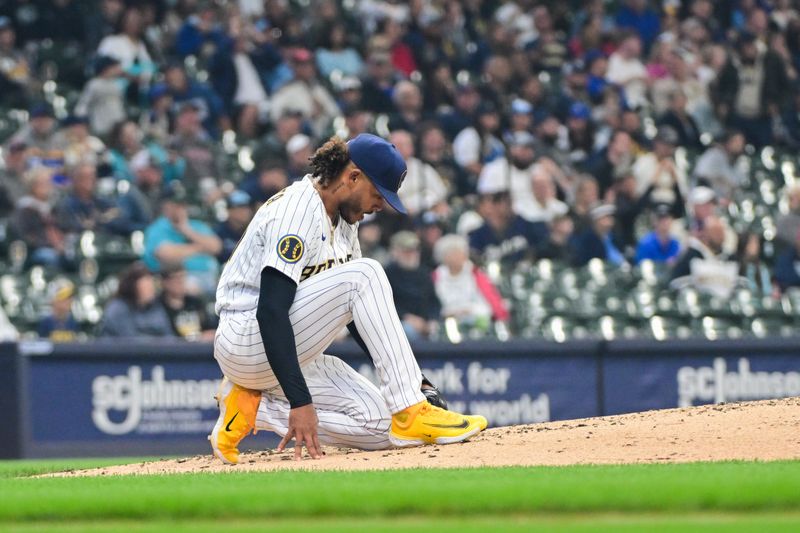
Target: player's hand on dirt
[(303, 428)]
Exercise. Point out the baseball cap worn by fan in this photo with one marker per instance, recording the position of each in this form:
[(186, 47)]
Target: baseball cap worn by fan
[(382, 164)]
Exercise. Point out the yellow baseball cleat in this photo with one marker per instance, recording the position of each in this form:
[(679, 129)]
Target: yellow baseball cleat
[(237, 418), (424, 423), (480, 420)]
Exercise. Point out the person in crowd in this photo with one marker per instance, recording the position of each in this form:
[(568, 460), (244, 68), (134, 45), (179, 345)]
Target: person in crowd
[(407, 99), (193, 144), (240, 212), (188, 315), (660, 169), (788, 224), (77, 143), (659, 245), (716, 168), (679, 119), (136, 311), (504, 236), (239, 73), (465, 291), (103, 98), (12, 172), (59, 325), (706, 246), (639, 16), (558, 246), (479, 144), (262, 185), (336, 55), (39, 134), (423, 188), (516, 171), (378, 82), (182, 89), (139, 206), (597, 241), (787, 266), (174, 238), (752, 266), (16, 76), (462, 114), (200, 31), (412, 287), (545, 206), (126, 140), (750, 89), (33, 222), (434, 149), (626, 69), (155, 121), (305, 93), (585, 197), (580, 133), (127, 45), (271, 148), (298, 155), (613, 161), (82, 209)]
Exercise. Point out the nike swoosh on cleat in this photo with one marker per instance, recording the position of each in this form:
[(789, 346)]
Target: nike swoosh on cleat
[(228, 427), (463, 425), (427, 435)]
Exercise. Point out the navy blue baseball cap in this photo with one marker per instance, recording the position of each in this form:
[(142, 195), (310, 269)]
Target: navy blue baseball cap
[(383, 165)]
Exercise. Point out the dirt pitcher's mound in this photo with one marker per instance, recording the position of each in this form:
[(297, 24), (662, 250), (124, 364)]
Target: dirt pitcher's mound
[(765, 430)]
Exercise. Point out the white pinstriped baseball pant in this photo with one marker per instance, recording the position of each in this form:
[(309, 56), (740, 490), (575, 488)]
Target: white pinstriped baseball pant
[(352, 412)]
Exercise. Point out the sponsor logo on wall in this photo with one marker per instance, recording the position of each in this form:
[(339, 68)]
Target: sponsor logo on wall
[(131, 403), (718, 383)]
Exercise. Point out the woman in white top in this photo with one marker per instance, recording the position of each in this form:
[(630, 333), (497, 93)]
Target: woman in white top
[(128, 47)]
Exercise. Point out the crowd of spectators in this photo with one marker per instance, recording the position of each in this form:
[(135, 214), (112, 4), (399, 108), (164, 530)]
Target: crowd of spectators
[(531, 130)]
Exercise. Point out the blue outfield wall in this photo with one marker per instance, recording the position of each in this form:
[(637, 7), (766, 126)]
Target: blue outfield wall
[(139, 398)]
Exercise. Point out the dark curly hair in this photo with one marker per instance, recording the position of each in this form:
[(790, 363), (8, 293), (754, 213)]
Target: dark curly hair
[(128, 279), (329, 161)]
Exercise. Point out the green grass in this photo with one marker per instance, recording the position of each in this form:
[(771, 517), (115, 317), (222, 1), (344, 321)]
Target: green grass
[(736, 496)]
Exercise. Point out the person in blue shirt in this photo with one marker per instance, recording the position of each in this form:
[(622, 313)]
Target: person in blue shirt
[(174, 238), (505, 236), (183, 89), (637, 15), (596, 242), (659, 245)]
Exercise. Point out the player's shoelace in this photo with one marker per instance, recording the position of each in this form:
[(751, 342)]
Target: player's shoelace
[(445, 415)]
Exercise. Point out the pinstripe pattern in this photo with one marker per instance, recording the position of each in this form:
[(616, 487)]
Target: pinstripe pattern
[(350, 409), (352, 412)]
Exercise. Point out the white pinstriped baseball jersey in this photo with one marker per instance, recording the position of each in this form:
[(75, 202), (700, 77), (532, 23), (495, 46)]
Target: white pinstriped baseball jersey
[(291, 233)]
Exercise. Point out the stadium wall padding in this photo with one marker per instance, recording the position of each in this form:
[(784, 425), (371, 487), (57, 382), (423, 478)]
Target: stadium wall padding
[(133, 398)]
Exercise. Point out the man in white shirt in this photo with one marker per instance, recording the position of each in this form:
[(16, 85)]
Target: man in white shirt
[(660, 170), (625, 68), (305, 94), (423, 188)]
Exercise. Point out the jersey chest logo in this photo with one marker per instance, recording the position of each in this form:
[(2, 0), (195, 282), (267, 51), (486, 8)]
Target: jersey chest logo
[(316, 269), (290, 248)]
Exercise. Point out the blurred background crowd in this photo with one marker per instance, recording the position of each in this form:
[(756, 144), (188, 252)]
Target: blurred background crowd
[(575, 168)]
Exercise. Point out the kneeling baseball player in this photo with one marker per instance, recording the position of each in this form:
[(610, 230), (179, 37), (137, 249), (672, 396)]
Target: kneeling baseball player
[(294, 281)]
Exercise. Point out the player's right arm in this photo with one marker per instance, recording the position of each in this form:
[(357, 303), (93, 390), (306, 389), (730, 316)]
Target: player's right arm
[(290, 239)]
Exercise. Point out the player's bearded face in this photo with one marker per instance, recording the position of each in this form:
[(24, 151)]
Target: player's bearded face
[(364, 198)]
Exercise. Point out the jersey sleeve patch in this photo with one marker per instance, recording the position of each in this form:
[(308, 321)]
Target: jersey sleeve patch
[(291, 248)]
